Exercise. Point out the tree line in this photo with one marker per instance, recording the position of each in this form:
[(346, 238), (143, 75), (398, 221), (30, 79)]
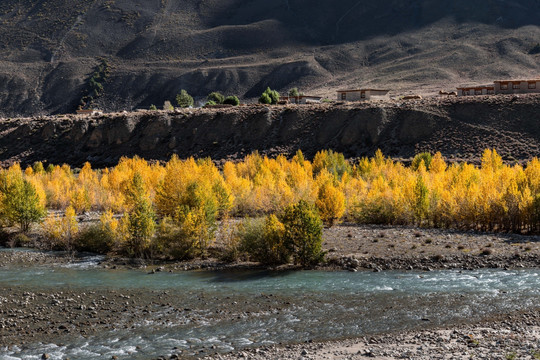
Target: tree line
[(173, 210)]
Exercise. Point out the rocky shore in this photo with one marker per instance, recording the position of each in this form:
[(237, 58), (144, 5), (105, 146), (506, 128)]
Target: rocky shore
[(512, 336), (354, 248)]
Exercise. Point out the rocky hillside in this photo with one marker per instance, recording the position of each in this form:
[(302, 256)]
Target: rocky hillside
[(50, 49), (461, 128)]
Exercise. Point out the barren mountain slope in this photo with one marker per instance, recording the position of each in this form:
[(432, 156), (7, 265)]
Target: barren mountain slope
[(50, 48)]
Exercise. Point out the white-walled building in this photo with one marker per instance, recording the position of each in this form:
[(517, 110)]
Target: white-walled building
[(502, 87), (476, 90), (302, 99), (361, 94), (517, 86)]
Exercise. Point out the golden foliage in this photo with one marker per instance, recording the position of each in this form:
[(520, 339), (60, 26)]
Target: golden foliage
[(494, 196)]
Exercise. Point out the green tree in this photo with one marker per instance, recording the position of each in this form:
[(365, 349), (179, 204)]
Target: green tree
[(334, 162), (232, 100), (38, 167), (425, 156), (21, 204), (273, 95), (216, 97), (153, 107), (303, 233), (184, 99), (294, 92), (265, 99), (421, 194), (141, 219)]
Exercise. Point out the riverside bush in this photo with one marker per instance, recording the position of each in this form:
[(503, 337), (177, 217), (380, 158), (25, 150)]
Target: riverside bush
[(174, 242), (95, 239), (263, 240), (100, 238), (302, 232)]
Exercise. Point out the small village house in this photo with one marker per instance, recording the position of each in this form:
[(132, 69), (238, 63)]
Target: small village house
[(89, 112), (517, 86), (476, 90), (361, 94), (302, 99), (502, 87)]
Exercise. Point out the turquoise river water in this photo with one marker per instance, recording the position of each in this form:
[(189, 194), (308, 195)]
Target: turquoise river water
[(320, 305)]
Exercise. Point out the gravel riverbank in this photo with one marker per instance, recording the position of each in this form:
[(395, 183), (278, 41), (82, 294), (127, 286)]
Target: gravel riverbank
[(513, 336)]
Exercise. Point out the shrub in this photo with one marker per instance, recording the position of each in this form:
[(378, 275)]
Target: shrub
[(216, 97), (210, 103), (251, 235), (61, 232), (80, 200), (95, 239), (153, 107), (263, 240), (194, 195), (184, 99), (269, 96), (100, 238), (231, 241), (19, 240), (231, 100), (173, 242), (303, 233), (167, 106)]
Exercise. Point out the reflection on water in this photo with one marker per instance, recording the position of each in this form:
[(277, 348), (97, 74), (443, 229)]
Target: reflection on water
[(277, 306)]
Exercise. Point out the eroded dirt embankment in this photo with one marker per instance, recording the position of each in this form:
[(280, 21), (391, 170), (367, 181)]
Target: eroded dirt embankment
[(460, 128)]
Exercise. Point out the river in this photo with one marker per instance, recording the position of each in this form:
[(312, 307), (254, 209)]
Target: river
[(231, 310)]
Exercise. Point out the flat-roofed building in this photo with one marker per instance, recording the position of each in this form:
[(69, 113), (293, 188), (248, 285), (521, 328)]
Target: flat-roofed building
[(517, 86), (361, 94), (476, 90), (302, 99), (502, 87)]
